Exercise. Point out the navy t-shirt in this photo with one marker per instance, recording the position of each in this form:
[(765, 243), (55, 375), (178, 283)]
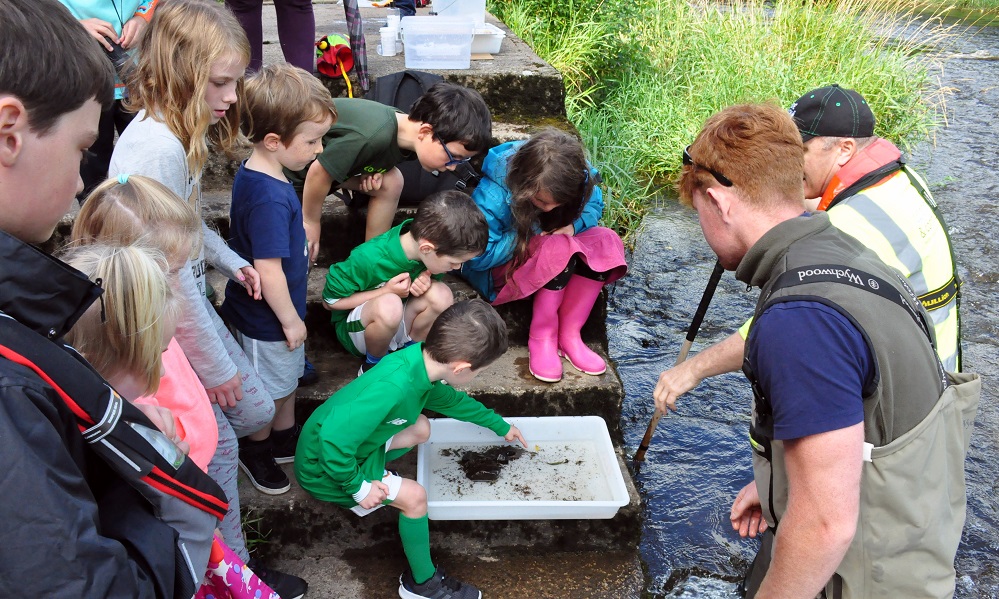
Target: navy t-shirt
[(265, 221), (813, 364)]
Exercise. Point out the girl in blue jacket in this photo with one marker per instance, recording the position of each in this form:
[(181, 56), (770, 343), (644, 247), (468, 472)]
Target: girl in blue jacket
[(542, 203)]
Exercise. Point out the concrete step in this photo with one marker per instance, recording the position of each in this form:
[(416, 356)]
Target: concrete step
[(346, 556), (524, 573), (516, 83)]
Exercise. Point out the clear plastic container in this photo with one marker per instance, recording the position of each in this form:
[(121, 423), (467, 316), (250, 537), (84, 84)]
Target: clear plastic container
[(488, 39), (475, 9), (435, 42)]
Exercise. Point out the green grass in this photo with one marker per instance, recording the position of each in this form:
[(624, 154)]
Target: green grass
[(643, 75)]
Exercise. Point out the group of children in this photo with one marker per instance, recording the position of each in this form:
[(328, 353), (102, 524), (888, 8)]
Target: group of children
[(229, 382)]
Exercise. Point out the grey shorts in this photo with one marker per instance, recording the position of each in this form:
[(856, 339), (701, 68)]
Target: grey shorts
[(278, 368)]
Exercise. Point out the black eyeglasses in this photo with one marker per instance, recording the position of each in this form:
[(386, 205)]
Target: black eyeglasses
[(688, 161), (451, 160)]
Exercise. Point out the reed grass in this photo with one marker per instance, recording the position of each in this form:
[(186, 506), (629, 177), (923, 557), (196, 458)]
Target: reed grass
[(643, 75)]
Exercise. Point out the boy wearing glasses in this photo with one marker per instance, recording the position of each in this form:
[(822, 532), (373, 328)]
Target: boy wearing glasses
[(445, 127), (383, 296)]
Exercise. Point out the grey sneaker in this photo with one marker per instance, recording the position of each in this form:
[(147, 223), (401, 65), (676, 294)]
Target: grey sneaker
[(440, 586)]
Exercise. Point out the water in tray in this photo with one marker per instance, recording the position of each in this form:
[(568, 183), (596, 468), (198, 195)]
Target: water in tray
[(549, 471)]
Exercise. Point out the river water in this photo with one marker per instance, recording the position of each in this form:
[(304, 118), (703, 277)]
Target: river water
[(700, 456)]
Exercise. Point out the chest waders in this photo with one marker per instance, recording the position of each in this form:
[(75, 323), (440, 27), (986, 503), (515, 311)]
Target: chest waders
[(936, 445)]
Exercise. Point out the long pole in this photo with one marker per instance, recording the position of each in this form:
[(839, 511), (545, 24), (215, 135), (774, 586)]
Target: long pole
[(695, 324)]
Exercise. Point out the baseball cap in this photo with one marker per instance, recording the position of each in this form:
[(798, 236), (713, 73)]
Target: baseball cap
[(832, 111)]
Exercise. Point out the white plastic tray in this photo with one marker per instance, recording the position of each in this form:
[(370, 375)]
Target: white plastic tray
[(550, 434), (487, 39)]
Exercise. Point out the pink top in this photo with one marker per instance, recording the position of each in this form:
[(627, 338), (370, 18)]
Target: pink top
[(182, 393)]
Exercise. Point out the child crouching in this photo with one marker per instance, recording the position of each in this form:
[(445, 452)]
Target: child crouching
[(376, 418), (385, 294)]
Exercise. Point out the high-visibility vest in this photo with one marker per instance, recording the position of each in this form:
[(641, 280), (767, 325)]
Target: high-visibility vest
[(896, 217)]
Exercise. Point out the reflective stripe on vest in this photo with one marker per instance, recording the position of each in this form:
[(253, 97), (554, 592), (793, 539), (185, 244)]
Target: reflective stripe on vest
[(894, 221)]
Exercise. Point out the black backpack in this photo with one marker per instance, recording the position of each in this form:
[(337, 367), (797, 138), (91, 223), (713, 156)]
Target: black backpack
[(401, 90)]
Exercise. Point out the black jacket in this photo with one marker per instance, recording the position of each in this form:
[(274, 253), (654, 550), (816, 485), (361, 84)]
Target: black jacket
[(70, 524)]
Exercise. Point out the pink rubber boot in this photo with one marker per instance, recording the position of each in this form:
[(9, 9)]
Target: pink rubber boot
[(580, 295), (542, 343)]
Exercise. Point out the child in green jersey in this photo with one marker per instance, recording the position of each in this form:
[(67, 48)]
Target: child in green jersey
[(376, 418), (384, 296)]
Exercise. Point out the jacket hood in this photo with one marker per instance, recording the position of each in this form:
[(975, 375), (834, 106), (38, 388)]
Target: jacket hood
[(496, 162), (41, 292)]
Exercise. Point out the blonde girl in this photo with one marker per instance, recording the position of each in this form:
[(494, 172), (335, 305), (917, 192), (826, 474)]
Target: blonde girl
[(125, 336), (136, 209), (122, 335), (187, 89)]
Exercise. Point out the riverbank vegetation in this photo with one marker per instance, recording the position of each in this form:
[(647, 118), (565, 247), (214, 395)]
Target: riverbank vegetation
[(641, 76)]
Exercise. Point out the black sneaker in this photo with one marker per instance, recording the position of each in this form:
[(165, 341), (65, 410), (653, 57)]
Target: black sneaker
[(284, 443), (288, 586), (309, 376), (365, 366), (440, 586), (257, 462)]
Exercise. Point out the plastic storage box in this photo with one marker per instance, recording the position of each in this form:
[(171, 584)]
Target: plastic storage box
[(473, 9), (488, 39), (437, 42), (564, 452)]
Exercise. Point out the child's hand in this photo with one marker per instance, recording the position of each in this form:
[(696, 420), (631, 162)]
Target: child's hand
[(369, 183), (378, 493), (99, 28), (420, 284), (295, 334), (566, 230), (250, 279), (162, 418), (312, 236), (399, 284), (228, 393), (515, 433), (131, 31)]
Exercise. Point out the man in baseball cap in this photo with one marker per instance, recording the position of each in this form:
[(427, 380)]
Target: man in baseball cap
[(890, 208)]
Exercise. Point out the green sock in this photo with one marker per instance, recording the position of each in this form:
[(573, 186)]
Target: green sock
[(415, 534)]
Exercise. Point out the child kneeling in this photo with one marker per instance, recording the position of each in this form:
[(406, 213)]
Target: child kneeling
[(376, 418)]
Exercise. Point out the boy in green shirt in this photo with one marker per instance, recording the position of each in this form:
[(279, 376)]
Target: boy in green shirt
[(376, 418), (446, 126), (382, 296)]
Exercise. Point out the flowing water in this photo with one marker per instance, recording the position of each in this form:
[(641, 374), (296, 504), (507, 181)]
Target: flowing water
[(700, 456)]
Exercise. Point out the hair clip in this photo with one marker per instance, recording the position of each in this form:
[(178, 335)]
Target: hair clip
[(586, 176), (122, 179), (100, 284)]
